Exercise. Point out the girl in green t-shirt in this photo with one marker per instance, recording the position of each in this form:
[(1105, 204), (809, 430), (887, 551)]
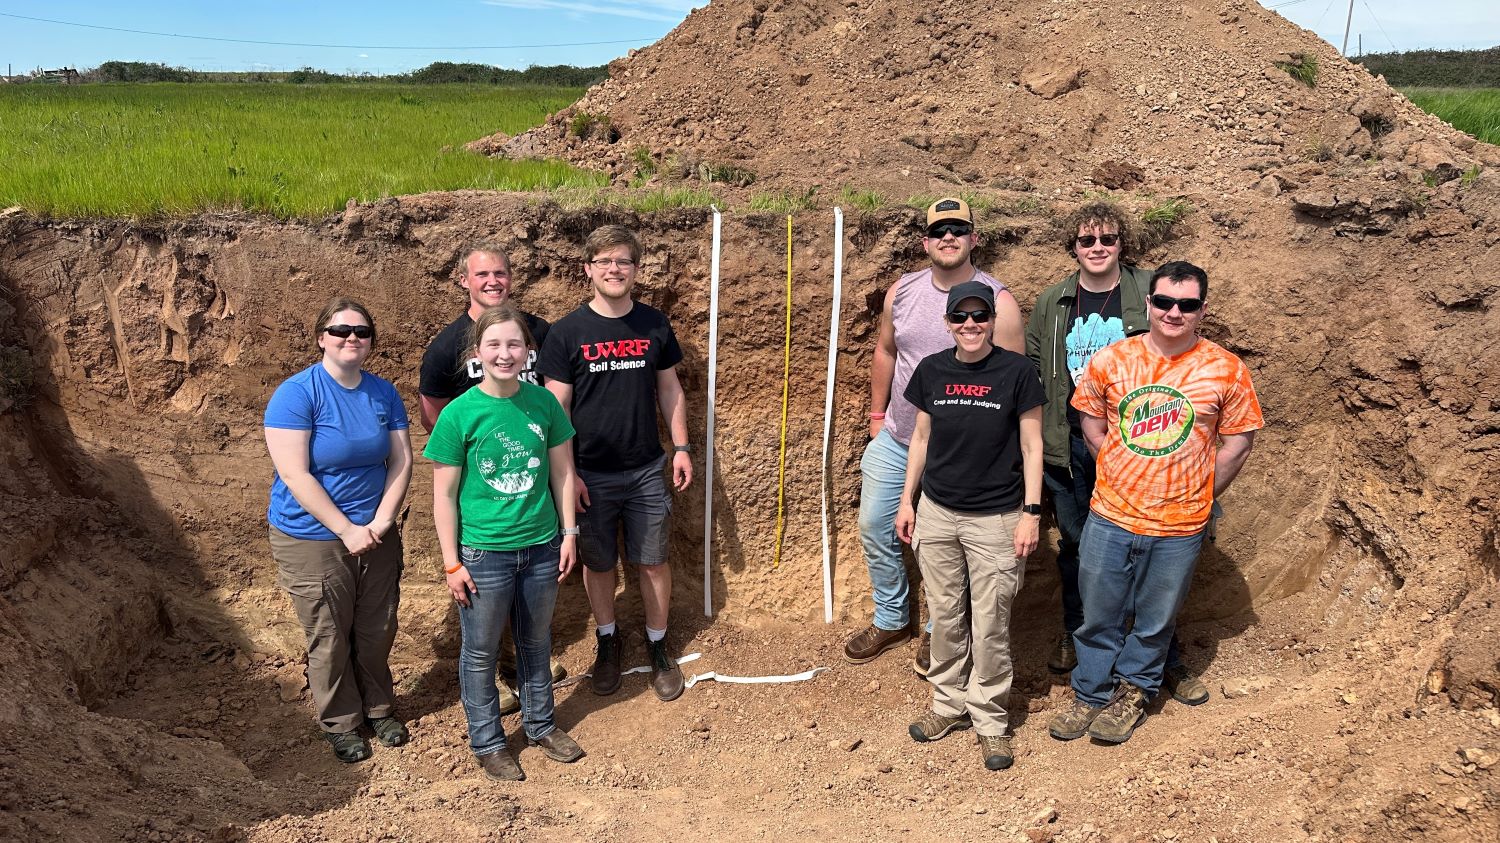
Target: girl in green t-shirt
[(502, 483)]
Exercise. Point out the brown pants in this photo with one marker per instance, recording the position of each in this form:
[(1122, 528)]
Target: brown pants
[(347, 606), (971, 575)]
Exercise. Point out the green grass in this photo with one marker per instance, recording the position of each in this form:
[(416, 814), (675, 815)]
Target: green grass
[(784, 201), (1472, 110), (162, 149)]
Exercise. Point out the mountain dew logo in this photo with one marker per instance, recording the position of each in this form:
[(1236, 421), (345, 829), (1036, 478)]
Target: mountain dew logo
[(1155, 420)]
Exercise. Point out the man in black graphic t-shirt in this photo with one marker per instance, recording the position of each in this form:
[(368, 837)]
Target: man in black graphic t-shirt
[(612, 363), (449, 366)]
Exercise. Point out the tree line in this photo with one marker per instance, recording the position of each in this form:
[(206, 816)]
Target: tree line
[(442, 72), (1437, 68)]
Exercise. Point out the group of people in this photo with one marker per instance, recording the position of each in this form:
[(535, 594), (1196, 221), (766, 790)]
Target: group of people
[(545, 451), (1110, 401)]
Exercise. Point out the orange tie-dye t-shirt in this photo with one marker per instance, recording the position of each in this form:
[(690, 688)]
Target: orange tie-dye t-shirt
[(1164, 417)]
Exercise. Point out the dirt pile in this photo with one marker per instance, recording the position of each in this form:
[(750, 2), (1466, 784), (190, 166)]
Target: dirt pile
[(912, 97)]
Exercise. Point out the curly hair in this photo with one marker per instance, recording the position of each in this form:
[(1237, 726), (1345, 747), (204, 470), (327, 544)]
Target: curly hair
[(1096, 214)]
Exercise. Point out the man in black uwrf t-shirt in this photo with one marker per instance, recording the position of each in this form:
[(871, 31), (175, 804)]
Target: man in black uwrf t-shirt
[(611, 363)]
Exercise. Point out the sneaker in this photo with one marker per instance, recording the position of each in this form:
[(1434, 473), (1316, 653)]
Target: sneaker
[(1065, 657), (996, 752), (605, 674), (666, 676), (559, 746), (1184, 686), (923, 662), (1118, 719), (509, 702), (1074, 721), (501, 767), (348, 747), (934, 726), (869, 644), (389, 731)]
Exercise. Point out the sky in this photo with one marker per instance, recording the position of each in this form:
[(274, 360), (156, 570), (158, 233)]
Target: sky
[(344, 36)]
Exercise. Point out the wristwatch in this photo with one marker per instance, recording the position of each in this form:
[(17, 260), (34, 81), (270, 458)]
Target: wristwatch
[(1032, 509), (571, 531), (683, 449)]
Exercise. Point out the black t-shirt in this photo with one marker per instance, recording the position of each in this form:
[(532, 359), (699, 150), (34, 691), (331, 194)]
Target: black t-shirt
[(449, 367), (1094, 322), (612, 365), (974, 447)]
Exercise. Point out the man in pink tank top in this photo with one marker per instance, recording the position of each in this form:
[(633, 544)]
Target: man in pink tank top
[(911, 327)]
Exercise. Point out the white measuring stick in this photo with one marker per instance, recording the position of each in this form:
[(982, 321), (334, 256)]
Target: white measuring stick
[(708, 447), (833, 359)]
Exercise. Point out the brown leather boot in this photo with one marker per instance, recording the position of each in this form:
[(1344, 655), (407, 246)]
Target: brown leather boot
[(869, 644)]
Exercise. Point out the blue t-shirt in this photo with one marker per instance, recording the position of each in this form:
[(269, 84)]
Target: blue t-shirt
[(349, 445)]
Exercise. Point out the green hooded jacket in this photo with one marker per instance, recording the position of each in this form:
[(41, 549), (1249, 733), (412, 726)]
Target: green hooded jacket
[(1046, 331)]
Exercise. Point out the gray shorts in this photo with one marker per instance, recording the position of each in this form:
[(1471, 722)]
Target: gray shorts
[(637, 501)]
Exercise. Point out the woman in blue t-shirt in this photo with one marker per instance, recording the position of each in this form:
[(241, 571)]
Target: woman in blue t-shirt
[(338, 439)]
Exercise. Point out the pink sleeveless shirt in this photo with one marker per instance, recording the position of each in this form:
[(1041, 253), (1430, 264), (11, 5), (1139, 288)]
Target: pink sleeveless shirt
[(917, 318)]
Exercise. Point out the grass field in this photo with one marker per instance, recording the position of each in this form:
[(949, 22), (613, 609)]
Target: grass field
[(160, 149), (1472, 110)]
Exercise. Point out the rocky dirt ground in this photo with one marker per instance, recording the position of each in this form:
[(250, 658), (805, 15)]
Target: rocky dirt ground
[(1346, 620)]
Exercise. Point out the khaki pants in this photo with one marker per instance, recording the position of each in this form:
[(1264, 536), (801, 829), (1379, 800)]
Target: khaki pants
[(971, 575), (347, 607)]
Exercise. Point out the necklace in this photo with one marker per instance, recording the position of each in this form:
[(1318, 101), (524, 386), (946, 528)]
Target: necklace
[(1078, 301)]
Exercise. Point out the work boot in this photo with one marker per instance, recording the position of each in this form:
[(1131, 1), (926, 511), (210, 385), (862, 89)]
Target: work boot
[(934, 726), (508, 661), (1184, 686), (996, 752), (348, 747), (869, 644), (1073, 721), (559, 746), (389, 731), (1065, 656), (605, 674), (923, 662), (666, 676), (501, 767), (1118, 719), (509, 702)]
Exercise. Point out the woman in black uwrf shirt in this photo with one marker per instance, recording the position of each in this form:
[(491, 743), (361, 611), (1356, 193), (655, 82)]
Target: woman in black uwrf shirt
[(977, 453)]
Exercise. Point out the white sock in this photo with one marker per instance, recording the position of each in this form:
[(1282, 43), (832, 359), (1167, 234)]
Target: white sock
[(606, 629), (654, 635)]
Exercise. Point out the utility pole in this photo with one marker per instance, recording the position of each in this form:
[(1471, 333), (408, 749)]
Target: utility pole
[(1344, 50)]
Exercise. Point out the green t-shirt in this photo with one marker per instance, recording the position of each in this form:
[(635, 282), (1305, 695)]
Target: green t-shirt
[(504, 500)]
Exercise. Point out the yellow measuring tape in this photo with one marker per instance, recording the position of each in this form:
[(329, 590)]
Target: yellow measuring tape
[(786, 384)]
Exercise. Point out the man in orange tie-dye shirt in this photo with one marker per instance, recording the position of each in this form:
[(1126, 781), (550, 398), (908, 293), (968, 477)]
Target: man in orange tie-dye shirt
[(1170, 417)]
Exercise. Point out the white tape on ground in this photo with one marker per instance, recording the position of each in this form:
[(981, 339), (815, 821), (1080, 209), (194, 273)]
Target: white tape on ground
[(711, 676)]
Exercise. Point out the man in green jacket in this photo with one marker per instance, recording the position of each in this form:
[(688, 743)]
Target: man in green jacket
[(1104, 301)]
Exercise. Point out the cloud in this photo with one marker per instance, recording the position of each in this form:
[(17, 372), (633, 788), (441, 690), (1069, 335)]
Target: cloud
[(363, 55), (666, 11)]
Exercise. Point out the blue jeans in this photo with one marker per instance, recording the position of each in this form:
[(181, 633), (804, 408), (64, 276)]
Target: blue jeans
[(519, 587), (882, 474), (1071, 490), (1120, 574)]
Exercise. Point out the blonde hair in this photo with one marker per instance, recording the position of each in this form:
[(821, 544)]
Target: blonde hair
[(499, 315)]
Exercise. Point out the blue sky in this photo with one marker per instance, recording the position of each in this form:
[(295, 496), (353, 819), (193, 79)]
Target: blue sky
[(511, 33)]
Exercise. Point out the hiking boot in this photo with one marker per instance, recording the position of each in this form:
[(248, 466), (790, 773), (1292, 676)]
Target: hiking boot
[(996, 752), (666, 676), (1074, 721), (605, 674), (934, 726), (559, 746), (1119, 719), (1184, 686), (869, 644), (389, 731), (508, 665), (1065, 657), (923, 662), (509, 702), (501, 767), (348, 747)]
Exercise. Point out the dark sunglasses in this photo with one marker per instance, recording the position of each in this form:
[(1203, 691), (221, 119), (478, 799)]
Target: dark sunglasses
[(1161, 302), (943, 229), (364, 332), (980, 316), (1087, 240)]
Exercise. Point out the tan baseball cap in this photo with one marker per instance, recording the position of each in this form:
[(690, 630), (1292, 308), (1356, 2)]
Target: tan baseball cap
[(949, 209)]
